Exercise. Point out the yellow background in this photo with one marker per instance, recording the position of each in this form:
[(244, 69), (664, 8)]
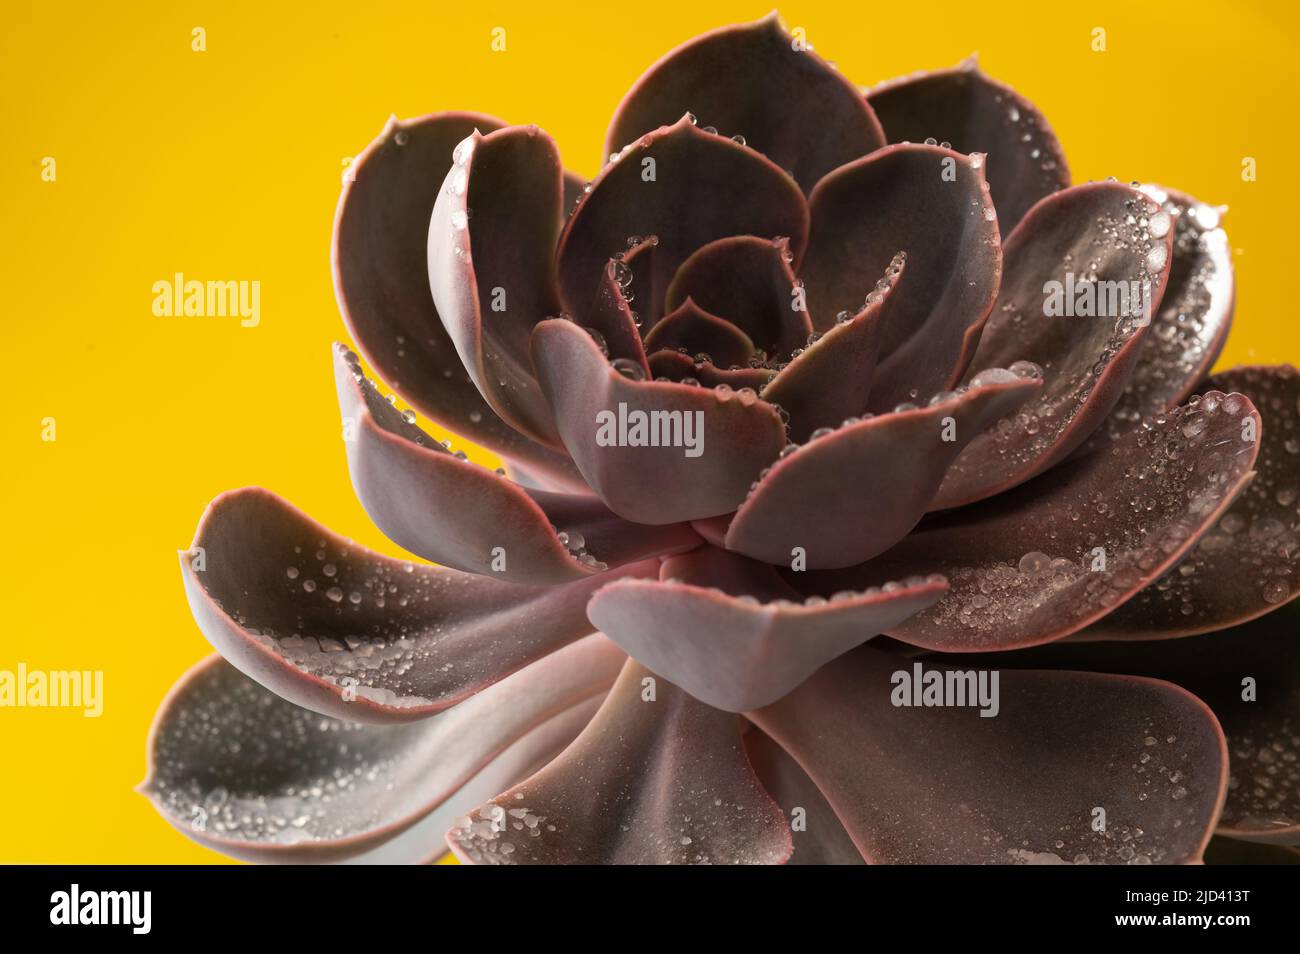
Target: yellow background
[(226, 165)]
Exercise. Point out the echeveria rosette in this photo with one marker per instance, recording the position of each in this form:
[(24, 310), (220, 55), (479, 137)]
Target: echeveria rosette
[(633, 652)]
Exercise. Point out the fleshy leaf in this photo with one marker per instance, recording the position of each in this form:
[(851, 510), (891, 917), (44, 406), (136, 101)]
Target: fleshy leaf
[(425, 842), (821, 840), (933, 205), (491, 244), (1250, 676), (1190, 328), (976, 113), (675, 366), (645, 292), (343, 631), (697, 331), (733, 634), (247, 773), (830, 380), (612, 316), (708, 446), (940, 784), (656, 778), (1051, 556), (833, 498), (748, 281), (1249, 563), (1104, 250), (381, 280), (685, 186), (1230, 851), (448, 509), (574, 186), (758, 81)]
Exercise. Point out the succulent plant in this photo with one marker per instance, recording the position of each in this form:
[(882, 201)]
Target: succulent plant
[(866, 498)]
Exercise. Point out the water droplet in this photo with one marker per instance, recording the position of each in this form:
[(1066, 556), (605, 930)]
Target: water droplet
[(1275, 591), (597, 337), (1157, 257), (993, 376), (457, 181), (464, 149), (630, 369), (1026, 369), (1034, 562)]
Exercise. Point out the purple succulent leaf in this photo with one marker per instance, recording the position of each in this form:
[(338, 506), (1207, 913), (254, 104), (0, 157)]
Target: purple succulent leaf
[(832, 498), (447, 509), (656, 778), (714, 286), (1249, 675), (675, 366), (1054, 555), (645, 292), (933, 204), (750, 282), (491, 243), (730, 440), (734, 635), (755, 80), (1231, 851), (532, 479), (574, 186), (252, 775), (691, 329), (1191, 326), (381, 280), (611, 315), (1249, 563), (829, 381), (346, 632), (687, 188), (976, 113), (1091, 241), (425, 842), (713, 530), (941, 785), (821, 840)]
